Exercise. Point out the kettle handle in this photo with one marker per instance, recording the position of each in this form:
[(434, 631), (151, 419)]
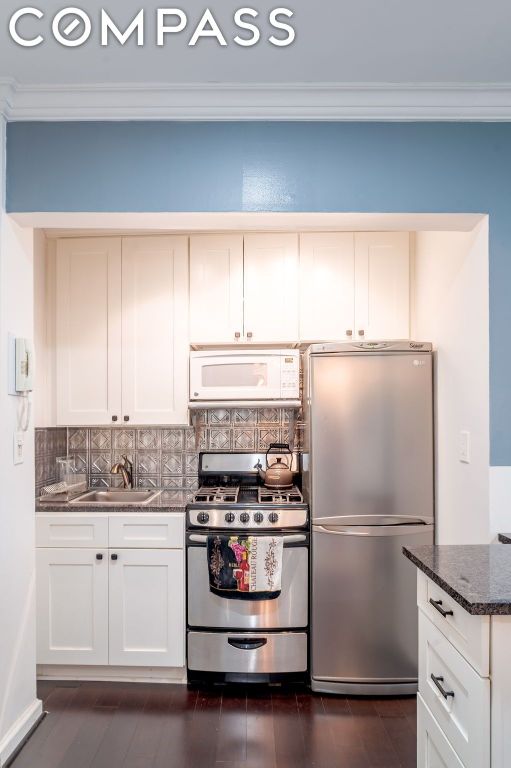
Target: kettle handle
[(282, 447)]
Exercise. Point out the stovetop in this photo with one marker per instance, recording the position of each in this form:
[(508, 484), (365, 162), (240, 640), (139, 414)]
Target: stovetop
[(247, 507), (247, 494), (232, 496)]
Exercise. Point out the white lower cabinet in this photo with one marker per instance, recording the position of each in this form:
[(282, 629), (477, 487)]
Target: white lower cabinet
[(433, 748), (146, 608), (112, 605), (457, 720), (456, 695), (72, 606)]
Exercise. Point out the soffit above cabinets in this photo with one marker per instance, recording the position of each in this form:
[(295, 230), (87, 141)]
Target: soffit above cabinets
[(57, 225)]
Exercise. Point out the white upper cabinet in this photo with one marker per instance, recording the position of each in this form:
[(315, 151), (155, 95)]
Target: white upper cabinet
[(122, 330), (127, 309), (88, 330), (271, 288), (382, 285), (216, 289), (327, 295), (155, 330)]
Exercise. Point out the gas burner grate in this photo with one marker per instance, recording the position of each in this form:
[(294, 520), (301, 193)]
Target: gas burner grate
[(217, 494), (282, 496)]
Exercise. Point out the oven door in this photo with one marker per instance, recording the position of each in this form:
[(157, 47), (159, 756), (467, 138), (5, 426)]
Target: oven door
[(250, 376), (289, 610)]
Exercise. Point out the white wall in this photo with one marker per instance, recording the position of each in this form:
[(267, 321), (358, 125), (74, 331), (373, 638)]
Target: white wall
[(451, 310), (44, 330), (19, 708)]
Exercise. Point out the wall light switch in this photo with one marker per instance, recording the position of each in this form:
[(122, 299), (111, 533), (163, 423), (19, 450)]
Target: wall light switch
[(19, 444), (464, 455)]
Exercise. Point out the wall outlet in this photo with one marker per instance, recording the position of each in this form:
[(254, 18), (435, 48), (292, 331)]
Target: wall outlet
[(19, 445), (464, 454)]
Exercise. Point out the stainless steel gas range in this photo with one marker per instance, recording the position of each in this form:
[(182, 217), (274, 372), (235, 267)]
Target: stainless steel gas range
[(237, 640)]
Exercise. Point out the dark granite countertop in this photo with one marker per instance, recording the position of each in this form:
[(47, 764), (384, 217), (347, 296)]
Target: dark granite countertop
[(477, 576), (161, 503), (505, 538)]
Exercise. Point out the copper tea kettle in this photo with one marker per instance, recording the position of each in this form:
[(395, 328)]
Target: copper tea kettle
[(278, 474)]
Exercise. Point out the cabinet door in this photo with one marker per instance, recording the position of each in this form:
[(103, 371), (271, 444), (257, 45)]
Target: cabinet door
[(147, 607), (382, 285), (72, 606), (216, 288), (327, 286), (88, 330), (155, 330), (271, 288)]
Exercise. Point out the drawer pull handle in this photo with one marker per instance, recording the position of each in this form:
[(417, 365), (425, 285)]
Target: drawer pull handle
[(438, 605), (99, 556), (438, 682), (247, 643), (114, 557)]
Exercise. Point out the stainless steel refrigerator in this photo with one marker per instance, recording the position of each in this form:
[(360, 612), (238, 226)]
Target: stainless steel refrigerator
[(368, 472)]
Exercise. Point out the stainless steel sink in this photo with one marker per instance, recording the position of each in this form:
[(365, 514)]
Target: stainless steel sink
[(117, 497)]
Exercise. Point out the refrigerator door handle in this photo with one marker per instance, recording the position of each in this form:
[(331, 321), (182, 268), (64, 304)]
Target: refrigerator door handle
[(372, 531), (370, 521)]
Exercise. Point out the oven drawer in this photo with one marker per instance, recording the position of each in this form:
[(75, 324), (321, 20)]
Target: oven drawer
[(289, 610), (247, 652)]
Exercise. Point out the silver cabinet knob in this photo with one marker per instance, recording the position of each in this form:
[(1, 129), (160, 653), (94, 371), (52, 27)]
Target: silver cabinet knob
[(361, 333), (249, 334), (349, 333), (237, 335)]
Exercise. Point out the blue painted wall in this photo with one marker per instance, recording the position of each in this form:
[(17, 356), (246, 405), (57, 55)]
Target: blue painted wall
[(363, 167)]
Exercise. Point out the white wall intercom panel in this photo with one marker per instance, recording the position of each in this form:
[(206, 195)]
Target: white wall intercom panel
[(21, 365)]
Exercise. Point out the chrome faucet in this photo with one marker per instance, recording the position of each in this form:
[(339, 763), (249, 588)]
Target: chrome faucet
[(125, 467)]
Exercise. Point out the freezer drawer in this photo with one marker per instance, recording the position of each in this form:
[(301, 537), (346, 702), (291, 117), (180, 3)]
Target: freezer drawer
[(289, 610), (247, 652), (364, 614)]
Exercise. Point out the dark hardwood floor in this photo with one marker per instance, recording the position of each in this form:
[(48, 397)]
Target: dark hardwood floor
[(107, 725)]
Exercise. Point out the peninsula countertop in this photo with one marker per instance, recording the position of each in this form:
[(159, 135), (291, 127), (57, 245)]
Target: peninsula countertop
[(477, 576)]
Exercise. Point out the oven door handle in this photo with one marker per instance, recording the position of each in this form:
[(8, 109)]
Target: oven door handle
[(293, 539)]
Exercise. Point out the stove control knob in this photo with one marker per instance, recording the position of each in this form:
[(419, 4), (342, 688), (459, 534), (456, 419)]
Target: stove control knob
[(244, 517), (230, 517), (203, 517), (273, 517), (258, 517)]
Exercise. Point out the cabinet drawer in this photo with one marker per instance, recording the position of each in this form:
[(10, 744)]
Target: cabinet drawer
[(469, 634), (158, 531), (463, 710), (433, 749), (71, 531)]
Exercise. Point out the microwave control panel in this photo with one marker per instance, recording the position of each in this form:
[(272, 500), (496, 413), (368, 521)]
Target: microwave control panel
[(290, 374)]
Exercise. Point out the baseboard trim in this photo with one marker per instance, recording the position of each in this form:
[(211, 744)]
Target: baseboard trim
[(20, 731), (108, 674)]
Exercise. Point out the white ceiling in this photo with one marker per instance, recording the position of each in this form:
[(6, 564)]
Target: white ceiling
[(338, 41)]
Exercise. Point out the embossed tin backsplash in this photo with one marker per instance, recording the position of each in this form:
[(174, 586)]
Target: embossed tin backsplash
[(167, 457), (49, 444)]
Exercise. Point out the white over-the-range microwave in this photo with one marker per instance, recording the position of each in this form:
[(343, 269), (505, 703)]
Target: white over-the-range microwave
[(245, 378)]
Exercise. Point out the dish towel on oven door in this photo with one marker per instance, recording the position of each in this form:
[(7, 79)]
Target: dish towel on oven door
[(245, 567)]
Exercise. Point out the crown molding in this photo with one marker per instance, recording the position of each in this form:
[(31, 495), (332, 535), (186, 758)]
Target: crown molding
[(257, 101)]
